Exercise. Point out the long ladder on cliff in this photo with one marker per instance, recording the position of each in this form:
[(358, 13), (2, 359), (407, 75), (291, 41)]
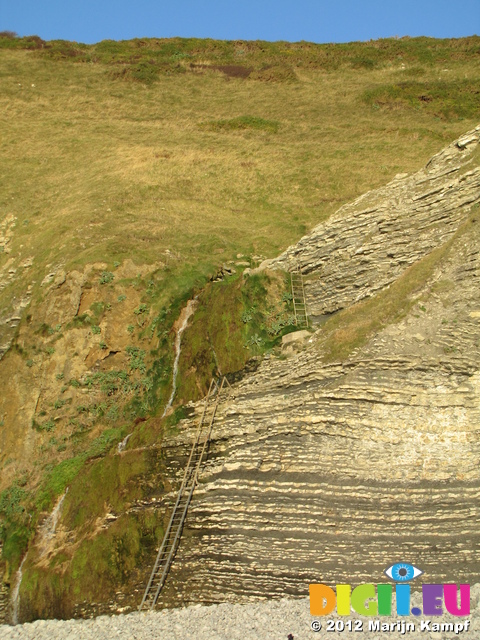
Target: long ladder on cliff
[(298, 297), (171, 539)]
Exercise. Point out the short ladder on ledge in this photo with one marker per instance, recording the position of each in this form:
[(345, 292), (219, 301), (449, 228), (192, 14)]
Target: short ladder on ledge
[(298, 297)]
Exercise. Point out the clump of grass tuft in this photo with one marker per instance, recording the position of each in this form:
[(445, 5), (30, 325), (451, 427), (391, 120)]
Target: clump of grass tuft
[(242, 123), (145, 72), (448, 100), (106, 277), (49, 425), (275, 73), (81, 320)]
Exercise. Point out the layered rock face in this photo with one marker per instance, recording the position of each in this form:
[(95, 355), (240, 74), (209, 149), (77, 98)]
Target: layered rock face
[(368, 244), (331, 472)]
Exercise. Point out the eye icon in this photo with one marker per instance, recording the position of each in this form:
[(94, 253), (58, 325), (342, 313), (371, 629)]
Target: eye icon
[(403, 572)]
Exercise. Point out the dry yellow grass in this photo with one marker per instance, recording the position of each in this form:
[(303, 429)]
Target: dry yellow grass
[(80, 149)]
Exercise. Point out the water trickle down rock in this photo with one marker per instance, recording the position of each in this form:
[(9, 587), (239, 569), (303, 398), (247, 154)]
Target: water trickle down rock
[(182, 322), (121, 445), (48, 528), (16, 592), (46, 533)]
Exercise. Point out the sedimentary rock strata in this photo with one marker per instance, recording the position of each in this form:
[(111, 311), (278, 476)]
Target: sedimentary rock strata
[(331, 472), (367, 244)]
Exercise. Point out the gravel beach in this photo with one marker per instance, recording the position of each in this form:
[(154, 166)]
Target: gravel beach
[(273, 620)]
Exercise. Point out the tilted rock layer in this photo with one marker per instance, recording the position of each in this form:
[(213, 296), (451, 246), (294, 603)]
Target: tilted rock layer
[(368, 244), (331, 472)]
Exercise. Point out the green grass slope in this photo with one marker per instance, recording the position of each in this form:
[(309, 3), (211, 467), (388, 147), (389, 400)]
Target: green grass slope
[(99, 164)]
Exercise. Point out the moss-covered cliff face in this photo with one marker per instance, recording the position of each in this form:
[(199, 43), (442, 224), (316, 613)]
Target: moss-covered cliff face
[(99, 544), (76, 512)]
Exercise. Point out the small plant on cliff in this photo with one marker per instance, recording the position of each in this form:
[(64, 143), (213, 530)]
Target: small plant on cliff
[(106, 277), (137, 358), (255, 340), (247, 316), (49, 425), (141, 309)]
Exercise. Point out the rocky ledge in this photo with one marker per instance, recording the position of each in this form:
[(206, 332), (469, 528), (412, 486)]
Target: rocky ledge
[(332, 471), (368, 243)]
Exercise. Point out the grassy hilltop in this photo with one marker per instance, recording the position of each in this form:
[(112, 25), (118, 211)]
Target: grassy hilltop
[(206, 148), (142, 167)]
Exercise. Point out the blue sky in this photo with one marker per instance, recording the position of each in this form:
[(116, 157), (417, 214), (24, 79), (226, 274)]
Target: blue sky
[(312, 20)]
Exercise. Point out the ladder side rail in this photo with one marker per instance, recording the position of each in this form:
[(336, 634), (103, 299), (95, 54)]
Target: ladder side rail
[(304, 303), (156, 565), (212, 419), (173, 550), (160, 552), (293, 298), (170, 557), (179, 496), (170, 545), (299, 299), (161, 549), (194, 446), (197, 437)]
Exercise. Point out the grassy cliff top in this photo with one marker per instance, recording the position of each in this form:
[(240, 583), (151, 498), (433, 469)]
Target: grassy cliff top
[(206, 148)]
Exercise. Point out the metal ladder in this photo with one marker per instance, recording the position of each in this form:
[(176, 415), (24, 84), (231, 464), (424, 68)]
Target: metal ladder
[(171, 539), (298, 297)]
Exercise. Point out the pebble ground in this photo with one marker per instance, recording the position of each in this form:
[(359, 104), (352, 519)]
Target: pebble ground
[(273, 620)]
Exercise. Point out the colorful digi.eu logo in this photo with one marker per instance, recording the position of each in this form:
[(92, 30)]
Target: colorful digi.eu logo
[(372, 600)]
